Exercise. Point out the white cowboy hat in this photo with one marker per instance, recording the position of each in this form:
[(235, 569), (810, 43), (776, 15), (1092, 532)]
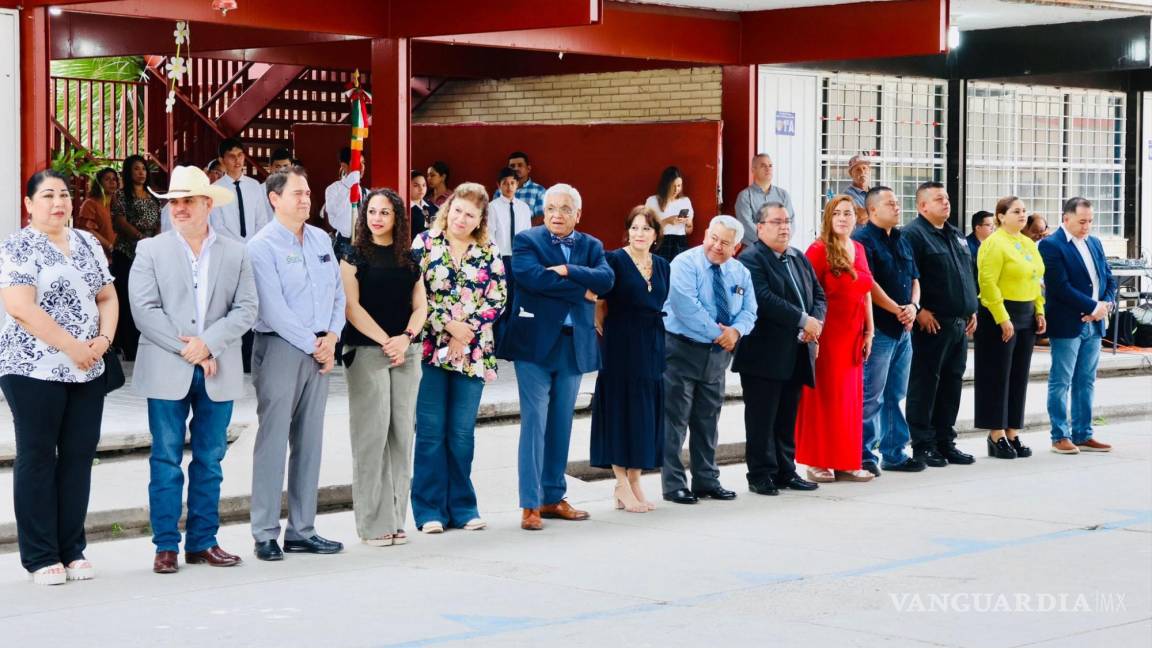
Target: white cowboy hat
[(191, 181)]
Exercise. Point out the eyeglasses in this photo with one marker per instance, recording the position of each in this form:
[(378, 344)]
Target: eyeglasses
[(567, 211)]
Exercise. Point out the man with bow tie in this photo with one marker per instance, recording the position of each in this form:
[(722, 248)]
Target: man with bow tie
[(550, 335)]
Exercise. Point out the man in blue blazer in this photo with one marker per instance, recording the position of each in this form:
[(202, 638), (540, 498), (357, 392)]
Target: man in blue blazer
[(550, 335), (1080, 292)]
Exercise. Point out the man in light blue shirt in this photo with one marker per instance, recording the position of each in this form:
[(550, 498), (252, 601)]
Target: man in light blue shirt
[(711, 305), (301, 311)]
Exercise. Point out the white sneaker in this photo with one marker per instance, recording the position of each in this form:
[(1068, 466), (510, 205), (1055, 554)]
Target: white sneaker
[(475, 524), (433, 527)]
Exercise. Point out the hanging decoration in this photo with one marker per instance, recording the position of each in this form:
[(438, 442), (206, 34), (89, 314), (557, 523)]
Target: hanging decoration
[(176, 66), (223, 6), (358, 117)]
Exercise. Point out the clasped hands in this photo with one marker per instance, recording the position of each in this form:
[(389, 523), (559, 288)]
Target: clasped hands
[(196, 352)]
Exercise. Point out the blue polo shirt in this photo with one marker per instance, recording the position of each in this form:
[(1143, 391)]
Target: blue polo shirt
[(893, 267)]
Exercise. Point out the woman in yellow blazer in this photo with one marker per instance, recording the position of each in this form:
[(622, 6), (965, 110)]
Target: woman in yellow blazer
[(1010, 272)]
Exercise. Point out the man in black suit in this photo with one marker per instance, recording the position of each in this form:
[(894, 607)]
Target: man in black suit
[(779, 356)]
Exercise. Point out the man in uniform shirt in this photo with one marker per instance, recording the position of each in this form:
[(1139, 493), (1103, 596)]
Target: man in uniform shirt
[(337, 204), (529, 191), (507, 217), (947, 315), (301, 312), (243, 217), (761, 192)]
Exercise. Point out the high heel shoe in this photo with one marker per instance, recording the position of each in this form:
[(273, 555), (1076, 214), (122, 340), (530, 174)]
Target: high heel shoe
[(1022, 450), (1001, 448), (626, 500)]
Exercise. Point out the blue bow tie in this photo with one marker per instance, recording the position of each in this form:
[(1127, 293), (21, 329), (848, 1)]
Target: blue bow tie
[(568, 241)]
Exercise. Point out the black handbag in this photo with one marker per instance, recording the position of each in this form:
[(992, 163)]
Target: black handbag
[(113, 367)]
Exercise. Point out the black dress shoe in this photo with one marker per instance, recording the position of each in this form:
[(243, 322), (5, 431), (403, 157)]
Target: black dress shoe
[(871, 467), (269, 550), (908, 465), (681, 496), (315, 545), (763, 488), (930, 457), (953, 455), (718, 493), (1022, 450), (796, 483), (1001, 449)]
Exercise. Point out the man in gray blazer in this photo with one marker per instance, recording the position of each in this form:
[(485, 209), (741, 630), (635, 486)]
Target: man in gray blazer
[(193, 295)]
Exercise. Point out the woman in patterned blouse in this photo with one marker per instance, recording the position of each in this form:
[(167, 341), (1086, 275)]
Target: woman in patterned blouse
[(61, 307), (464, 281), (135, 216)]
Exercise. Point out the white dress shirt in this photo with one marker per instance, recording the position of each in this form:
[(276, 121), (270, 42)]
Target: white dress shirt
[(673, 209), (225, 219), (499, 217), (1086, 254), (337, 205), (200, 275)]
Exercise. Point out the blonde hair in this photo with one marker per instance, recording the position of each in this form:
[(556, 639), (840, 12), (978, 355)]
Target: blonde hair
[(838, 261), (477, 195)]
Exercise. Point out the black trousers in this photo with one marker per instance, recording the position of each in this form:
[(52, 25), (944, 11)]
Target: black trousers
[(671, 245), (935, 381), (770, 427), (57, 428), (1001, 368), (127, 336)]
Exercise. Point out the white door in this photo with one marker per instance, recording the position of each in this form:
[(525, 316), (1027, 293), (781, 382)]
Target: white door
[(789, 131), (10, 204)]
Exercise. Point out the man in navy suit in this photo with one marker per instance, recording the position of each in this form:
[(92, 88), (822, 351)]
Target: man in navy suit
[(550, 334), (1080, 292)]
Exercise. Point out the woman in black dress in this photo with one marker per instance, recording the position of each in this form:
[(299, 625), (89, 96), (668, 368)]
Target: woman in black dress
[(628, 409)]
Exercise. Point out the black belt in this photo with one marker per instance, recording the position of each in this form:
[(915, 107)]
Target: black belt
[(687, 340), (318, 334), (566, 330)]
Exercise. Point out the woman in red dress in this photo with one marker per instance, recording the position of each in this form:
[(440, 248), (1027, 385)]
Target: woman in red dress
[(829, 427)]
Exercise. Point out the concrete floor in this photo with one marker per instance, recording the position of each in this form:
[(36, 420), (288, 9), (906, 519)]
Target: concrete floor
[(928, 559)]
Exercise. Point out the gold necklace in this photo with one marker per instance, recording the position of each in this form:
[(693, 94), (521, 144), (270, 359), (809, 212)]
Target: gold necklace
[(645, 268)]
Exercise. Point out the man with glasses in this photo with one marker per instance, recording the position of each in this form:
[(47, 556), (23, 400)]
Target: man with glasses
[(778, 357), (761, 192), (711, 305), (895, 299)]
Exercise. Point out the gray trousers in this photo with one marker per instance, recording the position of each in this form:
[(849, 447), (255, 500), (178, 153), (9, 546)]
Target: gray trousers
[(291, 395), (693, 395), (381, 412)]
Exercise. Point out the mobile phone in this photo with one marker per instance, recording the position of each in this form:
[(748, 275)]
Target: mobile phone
[(683, 213)]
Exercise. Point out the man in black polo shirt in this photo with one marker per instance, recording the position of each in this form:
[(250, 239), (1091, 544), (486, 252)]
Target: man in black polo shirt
[(895, 293), (947, 315)]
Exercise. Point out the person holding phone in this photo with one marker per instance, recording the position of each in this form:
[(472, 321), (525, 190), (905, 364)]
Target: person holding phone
[(675, 210)]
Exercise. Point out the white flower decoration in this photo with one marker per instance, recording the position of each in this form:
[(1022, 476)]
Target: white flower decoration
[(170, 102)]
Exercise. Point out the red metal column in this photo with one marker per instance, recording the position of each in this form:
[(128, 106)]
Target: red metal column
[(738, 111), (389, 139), (35, 108)]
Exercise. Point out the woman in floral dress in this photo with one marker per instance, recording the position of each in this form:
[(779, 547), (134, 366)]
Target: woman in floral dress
[(135, 216), (464, 281)]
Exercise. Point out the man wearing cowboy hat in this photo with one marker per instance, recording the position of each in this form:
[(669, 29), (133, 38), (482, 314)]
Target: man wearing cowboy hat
[(193, 295), (860, 170)]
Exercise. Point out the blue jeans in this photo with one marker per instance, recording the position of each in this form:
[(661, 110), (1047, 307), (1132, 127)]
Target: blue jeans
[(547, 401), (885, 385), (1074, 363), (446, 410), (209, 429)]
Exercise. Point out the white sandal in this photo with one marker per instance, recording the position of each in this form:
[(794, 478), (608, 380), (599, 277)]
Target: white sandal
[(400, 537), (475, 524), (50, 575), (80, 569), (382, 541)]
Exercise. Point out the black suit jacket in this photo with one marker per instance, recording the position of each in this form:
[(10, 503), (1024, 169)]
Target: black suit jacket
[(769, 351)]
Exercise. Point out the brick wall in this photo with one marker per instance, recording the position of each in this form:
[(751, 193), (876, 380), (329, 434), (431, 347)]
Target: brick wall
[(651, 95)]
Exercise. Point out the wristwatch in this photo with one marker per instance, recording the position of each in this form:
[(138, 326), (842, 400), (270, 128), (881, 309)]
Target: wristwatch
[(410, 334), (918, 307)]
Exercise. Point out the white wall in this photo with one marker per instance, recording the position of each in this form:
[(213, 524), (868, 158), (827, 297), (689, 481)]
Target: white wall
[(796, 155), (1146, 180), (10, 180)]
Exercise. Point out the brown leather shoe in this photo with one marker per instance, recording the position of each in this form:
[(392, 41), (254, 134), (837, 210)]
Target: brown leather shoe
[(562, 510), (165, 563), (214, 556), (530, 521), (1092, 445), (1065, 446)]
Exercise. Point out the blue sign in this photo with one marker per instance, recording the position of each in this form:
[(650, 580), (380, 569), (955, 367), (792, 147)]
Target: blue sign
[(785, 123)]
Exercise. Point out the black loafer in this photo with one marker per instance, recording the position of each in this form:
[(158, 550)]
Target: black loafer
[(871, 467), (315, 545), (930, 457), (908, 465), (953, 456), (1022, 450), (718, 493), (764, 488), (269, 550), (796, 483), (681, 496)]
